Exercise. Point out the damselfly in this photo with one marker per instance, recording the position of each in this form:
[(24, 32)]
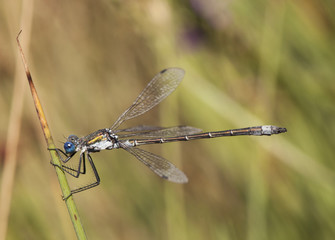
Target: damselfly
[(161, 86)]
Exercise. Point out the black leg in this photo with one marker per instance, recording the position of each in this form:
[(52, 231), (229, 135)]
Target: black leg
[(65, 198), (76, 172), (58, 151), (73, 172), (91, 185)]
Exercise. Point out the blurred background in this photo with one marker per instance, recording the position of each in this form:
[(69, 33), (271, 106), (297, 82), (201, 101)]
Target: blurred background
[(247, 63)]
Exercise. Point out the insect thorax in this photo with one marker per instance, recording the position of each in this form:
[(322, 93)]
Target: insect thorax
[(101, 140)]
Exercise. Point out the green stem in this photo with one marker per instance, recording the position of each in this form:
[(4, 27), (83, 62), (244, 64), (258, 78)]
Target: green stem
[(71, 206)]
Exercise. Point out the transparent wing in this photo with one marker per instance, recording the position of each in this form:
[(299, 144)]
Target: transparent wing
[(161, 86), (158, 165), (140, 128), (145, 131)]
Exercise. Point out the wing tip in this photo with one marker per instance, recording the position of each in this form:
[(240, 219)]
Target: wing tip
[(181, 179)]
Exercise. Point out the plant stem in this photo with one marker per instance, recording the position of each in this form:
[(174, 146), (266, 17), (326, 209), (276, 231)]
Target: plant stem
[(74, 215)]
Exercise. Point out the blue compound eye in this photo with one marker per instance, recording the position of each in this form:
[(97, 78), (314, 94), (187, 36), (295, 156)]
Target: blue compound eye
[(69, 147)]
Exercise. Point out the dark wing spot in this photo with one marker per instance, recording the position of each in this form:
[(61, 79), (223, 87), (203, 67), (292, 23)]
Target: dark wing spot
[(163, 71)]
